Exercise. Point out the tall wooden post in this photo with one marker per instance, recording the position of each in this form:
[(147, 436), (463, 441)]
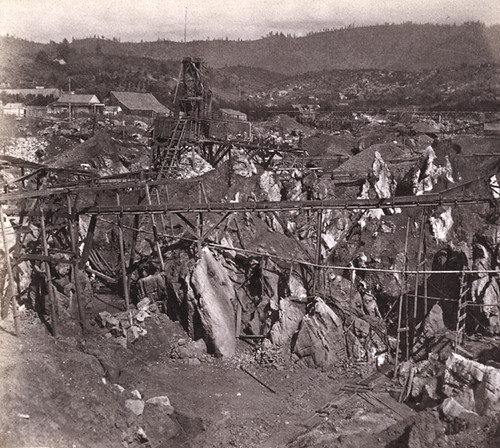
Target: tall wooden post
[(122, 256), (155, 231), (162, 218), (317, 269), (199, 223), (413, 320), (48, 276), (170, 214), (12, 285), (400, 311), (73, 233)]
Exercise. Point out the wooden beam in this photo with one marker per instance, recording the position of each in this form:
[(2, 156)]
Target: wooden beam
[(73, 233), (48, 277), (189, 223), (155, 231), (211, 229), (122, 257), (319, 234)]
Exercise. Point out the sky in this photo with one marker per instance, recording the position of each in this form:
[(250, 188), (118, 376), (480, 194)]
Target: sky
[(135, 20)]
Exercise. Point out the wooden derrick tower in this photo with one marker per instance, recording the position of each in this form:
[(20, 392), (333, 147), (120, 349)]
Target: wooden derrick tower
[(192, 110), (193, 95), (193, 128)]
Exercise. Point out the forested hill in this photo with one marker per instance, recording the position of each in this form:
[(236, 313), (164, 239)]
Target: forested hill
[(390, 47), (406, 46)]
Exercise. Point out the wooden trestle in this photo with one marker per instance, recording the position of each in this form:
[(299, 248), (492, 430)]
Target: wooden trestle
[(52, 209)]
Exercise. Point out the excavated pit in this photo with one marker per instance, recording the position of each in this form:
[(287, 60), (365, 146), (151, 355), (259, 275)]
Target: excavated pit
[(240, 340)]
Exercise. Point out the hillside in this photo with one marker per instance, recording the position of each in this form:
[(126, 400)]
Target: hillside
[(386, 65), (462, 88), (407, 46)]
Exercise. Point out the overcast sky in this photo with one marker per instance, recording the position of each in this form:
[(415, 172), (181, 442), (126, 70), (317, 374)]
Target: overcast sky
[(44, 20)]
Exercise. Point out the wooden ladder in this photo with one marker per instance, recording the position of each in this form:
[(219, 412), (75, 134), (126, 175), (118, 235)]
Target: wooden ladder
[(171, 152)]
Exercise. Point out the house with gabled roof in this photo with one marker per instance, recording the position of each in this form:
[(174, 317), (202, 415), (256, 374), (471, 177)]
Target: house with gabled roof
[(78, 103), (137, 103), (231, 114)]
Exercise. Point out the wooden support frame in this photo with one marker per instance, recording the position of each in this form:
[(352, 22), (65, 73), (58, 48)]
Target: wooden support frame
[(217, 224)]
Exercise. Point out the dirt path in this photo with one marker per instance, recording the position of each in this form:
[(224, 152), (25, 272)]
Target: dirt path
[(55, 394)]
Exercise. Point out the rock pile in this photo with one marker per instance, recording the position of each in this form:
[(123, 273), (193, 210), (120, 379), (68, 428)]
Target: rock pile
[(31, 149), (127, 327)]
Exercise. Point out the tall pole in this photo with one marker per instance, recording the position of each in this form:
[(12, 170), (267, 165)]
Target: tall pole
[(185, 25), (73, 234), (48, 276), (11, 275), (155, 231), (400, 310), (69, 98), (317, 269), (122, 256)]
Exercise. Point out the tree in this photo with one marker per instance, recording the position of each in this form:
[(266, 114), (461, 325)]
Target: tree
[(42, 57), (63, 49)]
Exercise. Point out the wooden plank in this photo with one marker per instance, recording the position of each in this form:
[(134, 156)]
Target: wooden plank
[(48, 258), (399, 408)]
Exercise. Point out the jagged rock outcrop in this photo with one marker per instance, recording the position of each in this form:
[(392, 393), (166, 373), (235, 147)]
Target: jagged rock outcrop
[(289, 318), (213, 294), (425, 178), (441, 224), (434, 323), (473, 385), (320, 338), (270, 187), (241, 164), (484, 287)]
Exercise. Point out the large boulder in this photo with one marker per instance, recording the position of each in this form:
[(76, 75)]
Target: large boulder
[(434, 323), (270, 187), (214, 297), (241, 164), (484, 287), (441, 224), (320, 339), (289, 317), (473, 385)]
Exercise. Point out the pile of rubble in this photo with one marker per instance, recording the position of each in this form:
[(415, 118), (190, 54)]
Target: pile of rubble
[(126, 327), (31, 149)]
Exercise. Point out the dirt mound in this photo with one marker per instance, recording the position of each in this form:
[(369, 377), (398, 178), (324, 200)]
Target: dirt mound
[(325, 145), (101, 152), (363, 161)]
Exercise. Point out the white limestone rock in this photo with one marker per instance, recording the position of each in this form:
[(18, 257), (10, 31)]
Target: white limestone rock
[(320, 341), (135, 406), (464, 376), (214, 296)]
